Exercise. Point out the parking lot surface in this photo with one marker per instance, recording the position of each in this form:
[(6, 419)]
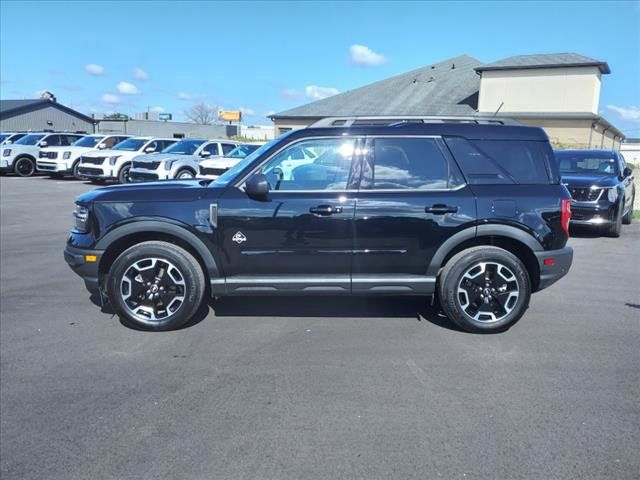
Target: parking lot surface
[(311, 388)]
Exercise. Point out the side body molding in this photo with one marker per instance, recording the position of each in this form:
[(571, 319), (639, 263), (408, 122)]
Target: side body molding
[(160, 226), (497, 230)]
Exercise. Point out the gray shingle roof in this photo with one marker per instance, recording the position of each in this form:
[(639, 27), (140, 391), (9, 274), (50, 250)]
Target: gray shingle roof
[(10, 108), (548, 60), (446, 88)]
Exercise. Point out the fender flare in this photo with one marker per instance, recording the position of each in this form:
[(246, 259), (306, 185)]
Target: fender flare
[(23, 155), (159, 226), (497, 230)]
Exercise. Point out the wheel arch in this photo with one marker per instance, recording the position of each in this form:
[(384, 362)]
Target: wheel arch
[(119, 239), (512, 239)]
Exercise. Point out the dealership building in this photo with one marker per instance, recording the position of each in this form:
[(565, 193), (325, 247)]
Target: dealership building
[(558, 92)]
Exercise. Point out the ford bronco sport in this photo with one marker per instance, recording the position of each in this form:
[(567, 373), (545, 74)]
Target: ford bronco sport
[(470, 212)]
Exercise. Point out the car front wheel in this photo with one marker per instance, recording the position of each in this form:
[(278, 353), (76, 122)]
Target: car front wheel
[(24, 167), (185, 174), (156, 286), (484, 289), (125, 176)]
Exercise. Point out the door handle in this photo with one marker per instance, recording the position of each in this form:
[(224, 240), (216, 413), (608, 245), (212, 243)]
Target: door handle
[(325, 210), (441, 209)]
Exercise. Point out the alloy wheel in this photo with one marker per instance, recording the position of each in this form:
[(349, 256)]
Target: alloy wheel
[(488, 292), (25, 167), (152, 289)]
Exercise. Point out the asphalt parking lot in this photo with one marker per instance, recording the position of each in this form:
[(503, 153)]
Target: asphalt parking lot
[(294, 388)]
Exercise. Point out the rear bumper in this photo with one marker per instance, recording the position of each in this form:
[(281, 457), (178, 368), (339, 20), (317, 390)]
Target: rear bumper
[(550, 274), (76, 258)]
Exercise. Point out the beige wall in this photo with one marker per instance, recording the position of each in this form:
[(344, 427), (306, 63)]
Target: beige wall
[(283, 125), (573, 89), (574, 133)]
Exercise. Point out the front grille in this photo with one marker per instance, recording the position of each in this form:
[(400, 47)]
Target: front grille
[(212, 171), (581, 213), (585, 194), (95, 172), (51, 155), (146, 165), (93, 160), (143, 176)]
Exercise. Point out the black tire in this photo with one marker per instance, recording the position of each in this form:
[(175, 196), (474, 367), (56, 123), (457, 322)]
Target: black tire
[(24, 166), (616, 228), (74, 171), (185, 173), (97, 181), (123, 174), (169, 256), (628, 218), (459, 307)]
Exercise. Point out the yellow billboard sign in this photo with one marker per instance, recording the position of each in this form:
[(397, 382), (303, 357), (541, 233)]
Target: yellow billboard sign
[(230, 116)]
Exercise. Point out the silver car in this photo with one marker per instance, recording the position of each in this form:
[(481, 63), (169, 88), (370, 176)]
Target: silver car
[(180, 160)]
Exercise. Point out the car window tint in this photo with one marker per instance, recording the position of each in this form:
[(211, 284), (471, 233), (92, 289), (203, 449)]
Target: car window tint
[(227, 147), (328, 171), (526, 162), (53, 140), (403, 163)]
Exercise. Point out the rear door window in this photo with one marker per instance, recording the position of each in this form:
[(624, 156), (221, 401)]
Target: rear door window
[(401, 163)]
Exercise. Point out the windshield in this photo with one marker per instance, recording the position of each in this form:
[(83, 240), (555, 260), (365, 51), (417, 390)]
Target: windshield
[(227, 177), (29, 140), (89, 141), (587, 163), (241, 151), (131, 144), (184, 147)]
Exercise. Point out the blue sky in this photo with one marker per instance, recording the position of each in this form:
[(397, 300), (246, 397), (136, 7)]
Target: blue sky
[(270, 56)]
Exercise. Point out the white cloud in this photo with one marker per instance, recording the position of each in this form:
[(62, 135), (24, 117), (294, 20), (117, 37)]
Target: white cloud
[(110, 98), (94, 69), (157, 109), (127, 88), (247, 111), (290, 93), (315, 92), (631, 113), (140, 74), (362, 55)]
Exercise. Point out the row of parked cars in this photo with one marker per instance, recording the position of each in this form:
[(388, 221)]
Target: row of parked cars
[(125, 158)]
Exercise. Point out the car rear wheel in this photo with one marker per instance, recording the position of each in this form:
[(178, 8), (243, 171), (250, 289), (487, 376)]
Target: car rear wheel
[(484, 289), (156, 286), (24, 167), (185, 174)]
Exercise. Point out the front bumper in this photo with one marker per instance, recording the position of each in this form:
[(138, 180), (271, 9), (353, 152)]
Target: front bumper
[(51, 166), (80, 260), (558, 264), (6, 164), (146, 175), (593, 214), (91, 170)]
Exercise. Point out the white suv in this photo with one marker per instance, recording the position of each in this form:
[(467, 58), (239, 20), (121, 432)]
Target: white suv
[(213, 167), (58, 161), (20, 156), (115, 163), (180, 160)]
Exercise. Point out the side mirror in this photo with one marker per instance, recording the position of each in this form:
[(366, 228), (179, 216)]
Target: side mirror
[(102, 146), (627, 172), (43, 143), (149, 150), (8, 142), (257, 186), (205, 153)]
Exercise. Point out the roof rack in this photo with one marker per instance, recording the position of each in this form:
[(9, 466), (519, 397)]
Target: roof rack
[(398, 121)]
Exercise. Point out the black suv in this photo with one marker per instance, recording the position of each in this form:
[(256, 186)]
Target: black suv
[(601, 186), (472, 213)]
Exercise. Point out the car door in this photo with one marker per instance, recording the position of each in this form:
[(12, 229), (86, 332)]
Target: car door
[(52, 140), (299, 237), (412, 198), (227, 147), (627, 182)]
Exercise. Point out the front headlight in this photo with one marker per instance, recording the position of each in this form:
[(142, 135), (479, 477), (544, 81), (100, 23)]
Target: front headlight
[(7, 152), (66, 155), (612, 194), (114, 159), (81, 219)]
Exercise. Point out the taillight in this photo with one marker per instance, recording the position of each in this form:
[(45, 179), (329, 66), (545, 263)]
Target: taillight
[(565, 214)]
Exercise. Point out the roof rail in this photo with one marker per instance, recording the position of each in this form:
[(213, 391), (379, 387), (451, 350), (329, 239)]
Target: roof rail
[(398, 121)]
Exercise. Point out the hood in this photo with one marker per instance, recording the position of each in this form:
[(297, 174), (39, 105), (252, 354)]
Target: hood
[(107, 152), (163, 191), (69, 148), (582, 181), (21, 148), (159, 157)]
